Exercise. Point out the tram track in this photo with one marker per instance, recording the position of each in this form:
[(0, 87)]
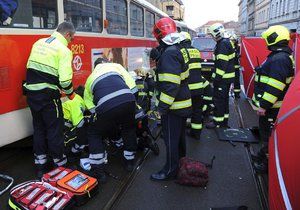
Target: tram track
[(126, 183), (128, 180), (260, 181)]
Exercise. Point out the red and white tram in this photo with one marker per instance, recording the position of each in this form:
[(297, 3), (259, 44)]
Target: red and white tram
[(117, 29)]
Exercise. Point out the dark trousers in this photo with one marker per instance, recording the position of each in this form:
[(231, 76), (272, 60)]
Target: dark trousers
[(207, 100), (173, 128), (107, 124), (266, 124), (48, 124), (237, 85), (196, 120), (75, 138), (221, 103)]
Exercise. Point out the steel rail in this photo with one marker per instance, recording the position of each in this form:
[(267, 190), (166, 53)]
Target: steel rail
[(260, 182)]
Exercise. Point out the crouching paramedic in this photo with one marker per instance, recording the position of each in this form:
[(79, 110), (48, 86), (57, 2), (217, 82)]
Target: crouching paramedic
[(110, 100), (271, 84), (49, 70), (193, 61), (223, 76), (75, 124), (174, 96)]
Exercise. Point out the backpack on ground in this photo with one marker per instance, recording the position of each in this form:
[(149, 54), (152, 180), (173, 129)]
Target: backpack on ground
[(192, 172), (39, 196), (82, 186)]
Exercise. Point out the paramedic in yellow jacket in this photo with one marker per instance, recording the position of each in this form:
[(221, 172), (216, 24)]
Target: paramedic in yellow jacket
[(75, 124), (108, 95), (49, 71)]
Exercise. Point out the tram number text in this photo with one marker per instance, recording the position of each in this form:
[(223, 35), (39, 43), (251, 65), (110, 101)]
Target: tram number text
[(77, 49)]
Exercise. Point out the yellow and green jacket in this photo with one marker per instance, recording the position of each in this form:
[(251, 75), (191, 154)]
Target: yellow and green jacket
[(50, 65), (74, 112), (108, 86)]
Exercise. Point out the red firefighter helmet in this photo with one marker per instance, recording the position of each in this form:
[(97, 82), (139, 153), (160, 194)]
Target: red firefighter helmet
[(163, 27)]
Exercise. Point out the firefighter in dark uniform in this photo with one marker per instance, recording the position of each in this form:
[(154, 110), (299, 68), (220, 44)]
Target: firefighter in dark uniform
[(151, 86), (108, 96), (49, 70), (237, 85), (223, 76), (196, 83), (174, 96), (142, 87), (272, 81)]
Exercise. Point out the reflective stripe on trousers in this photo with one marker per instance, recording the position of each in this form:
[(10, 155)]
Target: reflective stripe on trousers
[(40, 159), (128, 155), (97, 159), (60, 161)]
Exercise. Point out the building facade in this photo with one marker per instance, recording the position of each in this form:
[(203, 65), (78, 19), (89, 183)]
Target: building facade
[(174, 8), (251, 17), (262, 13), (204, 28), (156, 3), (243, 17), (285, 12), (232, 27)]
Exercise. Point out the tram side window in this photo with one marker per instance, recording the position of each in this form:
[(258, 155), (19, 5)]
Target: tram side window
[(86, 15), (157, 17), (149, 24), (28, 14), (136, 20), (116, 14)]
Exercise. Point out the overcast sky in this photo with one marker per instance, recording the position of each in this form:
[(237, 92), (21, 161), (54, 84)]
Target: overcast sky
[(198, 12)]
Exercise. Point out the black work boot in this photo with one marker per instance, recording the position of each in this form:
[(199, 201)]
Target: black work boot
[(41, 169), (97, 172), (211, 125), (261, 168), (258, 158), (194, 134), (261, 155), (129, 165)]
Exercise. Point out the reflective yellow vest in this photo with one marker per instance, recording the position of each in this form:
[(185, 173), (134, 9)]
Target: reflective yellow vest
[(100, 70), (74, 111), (52, 59)]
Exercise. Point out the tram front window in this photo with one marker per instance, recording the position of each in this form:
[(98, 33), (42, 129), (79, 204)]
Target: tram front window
[(85, 15), (28, 14)]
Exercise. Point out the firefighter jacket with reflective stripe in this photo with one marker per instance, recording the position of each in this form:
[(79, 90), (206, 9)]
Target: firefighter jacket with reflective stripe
[(273, 78), (50, 65), (172, 84), (74, 112), (237, 57), (151, 85), (142, 87), (107, 87), (193, 60), (224, 62)]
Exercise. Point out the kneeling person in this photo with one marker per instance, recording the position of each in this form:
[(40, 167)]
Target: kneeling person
[(108, 97), (75, 124)]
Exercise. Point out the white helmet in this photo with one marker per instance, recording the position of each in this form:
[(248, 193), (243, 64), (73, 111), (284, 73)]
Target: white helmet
[(233, 37), (217, 30)]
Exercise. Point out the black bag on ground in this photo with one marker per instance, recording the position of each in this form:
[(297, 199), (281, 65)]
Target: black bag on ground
[(192, 172)]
